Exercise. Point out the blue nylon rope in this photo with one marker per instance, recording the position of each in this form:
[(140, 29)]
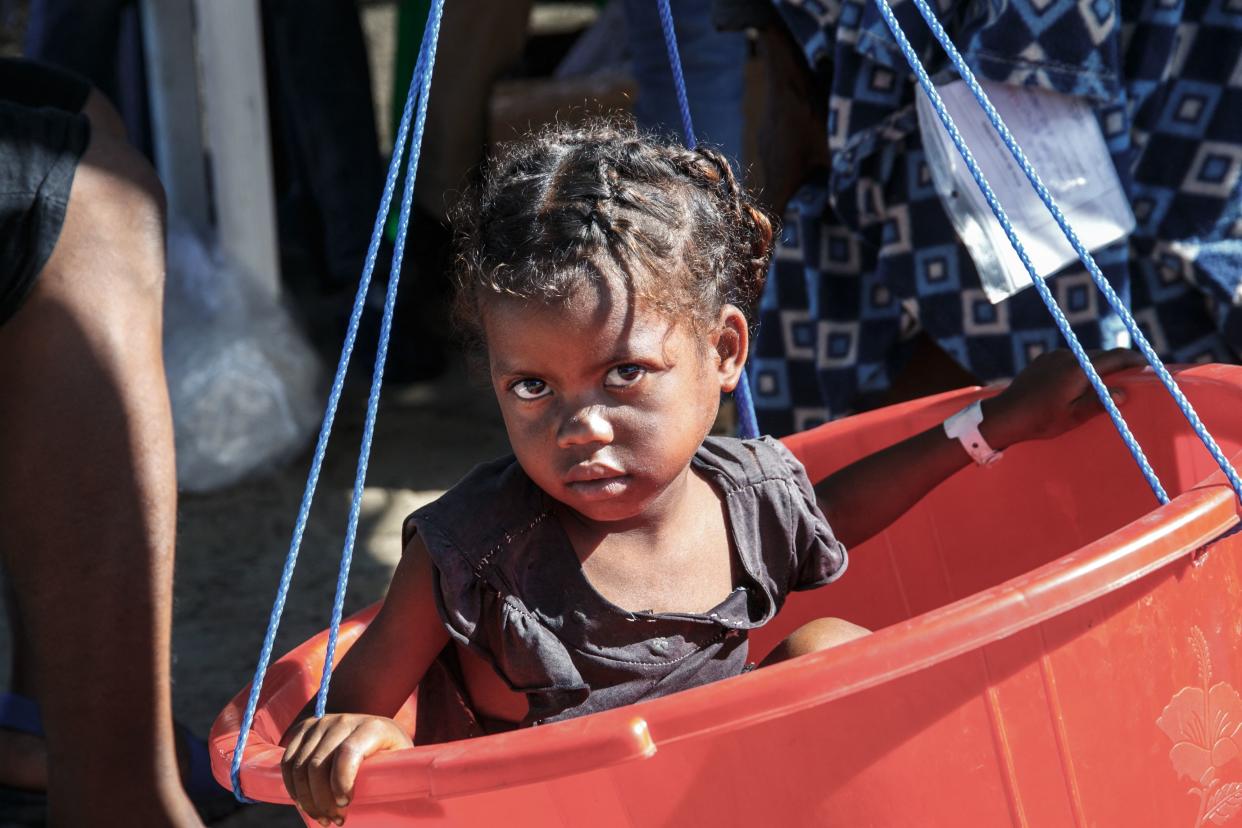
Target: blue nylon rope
[(748, 424), (421, 75), (679, 79), (431, 36), (1044, 292)]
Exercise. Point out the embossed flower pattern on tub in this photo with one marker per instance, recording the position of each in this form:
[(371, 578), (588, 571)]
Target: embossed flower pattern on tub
[(1205, 724)]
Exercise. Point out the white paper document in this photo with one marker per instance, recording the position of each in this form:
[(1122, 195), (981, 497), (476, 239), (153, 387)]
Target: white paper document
[(1063, 142)]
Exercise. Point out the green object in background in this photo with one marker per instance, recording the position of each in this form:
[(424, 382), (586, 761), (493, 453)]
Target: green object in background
[(411, 19)]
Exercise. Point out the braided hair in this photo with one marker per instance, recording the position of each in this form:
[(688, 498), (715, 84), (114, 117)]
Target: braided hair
[(572, 206)]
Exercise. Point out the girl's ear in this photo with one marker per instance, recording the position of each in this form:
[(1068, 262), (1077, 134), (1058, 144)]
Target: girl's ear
[(731, 341)]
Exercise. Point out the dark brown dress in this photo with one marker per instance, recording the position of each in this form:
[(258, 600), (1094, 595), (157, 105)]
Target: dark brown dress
[(510, 587)]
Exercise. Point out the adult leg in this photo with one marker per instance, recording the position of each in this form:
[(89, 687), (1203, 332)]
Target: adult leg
[(88, 497), (814, 636)]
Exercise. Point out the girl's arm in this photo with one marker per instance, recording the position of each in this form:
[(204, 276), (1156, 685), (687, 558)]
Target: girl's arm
[(389, 659), (369, 686), (1048, 398), (866, 496)]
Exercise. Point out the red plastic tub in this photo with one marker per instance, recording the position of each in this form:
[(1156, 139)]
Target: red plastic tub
[(1050, 649)]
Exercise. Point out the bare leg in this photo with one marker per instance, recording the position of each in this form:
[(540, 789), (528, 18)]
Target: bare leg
[(88, 497), (814, 636)]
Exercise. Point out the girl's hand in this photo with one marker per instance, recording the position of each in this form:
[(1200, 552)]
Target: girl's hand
[(323, 755), (1050, 396)]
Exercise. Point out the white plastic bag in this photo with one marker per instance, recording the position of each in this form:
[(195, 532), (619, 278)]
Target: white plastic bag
[(245, 384), (1061, 138)]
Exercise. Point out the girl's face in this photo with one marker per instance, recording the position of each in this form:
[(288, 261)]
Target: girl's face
[(606, 400)]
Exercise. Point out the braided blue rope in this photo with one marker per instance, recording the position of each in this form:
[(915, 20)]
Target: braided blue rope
[(748, 423), (334, 398), (1045, 293), (1137, 336), (431, 36), (679, 79)]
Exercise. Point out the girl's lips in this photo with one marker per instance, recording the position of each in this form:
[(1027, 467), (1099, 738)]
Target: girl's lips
[(592, 473), (599, 488)]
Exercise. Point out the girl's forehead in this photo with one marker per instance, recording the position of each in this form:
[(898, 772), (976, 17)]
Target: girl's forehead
[(585, 327), (607, 302), (590, 314)]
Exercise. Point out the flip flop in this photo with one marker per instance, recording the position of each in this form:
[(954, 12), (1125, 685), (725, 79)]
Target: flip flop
[(21, 714)]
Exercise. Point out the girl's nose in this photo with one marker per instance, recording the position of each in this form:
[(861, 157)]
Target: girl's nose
[(586, 425)]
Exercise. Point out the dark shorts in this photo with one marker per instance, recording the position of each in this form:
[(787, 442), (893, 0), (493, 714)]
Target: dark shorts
[(42, 137)]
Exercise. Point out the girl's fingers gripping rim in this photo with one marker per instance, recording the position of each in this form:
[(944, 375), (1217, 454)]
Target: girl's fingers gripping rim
[(297, 769), (320, 764), (291, 754), (366, 740), (1088, 404), (1118, 359)]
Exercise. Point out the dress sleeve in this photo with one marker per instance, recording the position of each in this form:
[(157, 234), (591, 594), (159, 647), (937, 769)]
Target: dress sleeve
[(1216, 271), (481, 613), (458, 590), (818, 557)]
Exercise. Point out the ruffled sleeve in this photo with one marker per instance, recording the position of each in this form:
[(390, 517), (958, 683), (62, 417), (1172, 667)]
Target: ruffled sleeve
[(474, 587), (781, 536), (818, 557)]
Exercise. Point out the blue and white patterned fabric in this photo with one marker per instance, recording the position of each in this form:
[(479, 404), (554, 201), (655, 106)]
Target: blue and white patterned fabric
[(868, 257)]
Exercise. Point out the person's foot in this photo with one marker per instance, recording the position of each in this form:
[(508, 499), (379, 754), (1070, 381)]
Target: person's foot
[(23, 769), (23, 761)]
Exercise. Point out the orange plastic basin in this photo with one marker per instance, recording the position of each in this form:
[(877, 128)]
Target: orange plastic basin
[(1050, 649)]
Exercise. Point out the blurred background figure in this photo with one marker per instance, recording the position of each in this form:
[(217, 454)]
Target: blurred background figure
[(714, 65), (874, 299), (100, 40)]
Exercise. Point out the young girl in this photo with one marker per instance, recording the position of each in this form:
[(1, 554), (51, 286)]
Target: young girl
[(620, 554)]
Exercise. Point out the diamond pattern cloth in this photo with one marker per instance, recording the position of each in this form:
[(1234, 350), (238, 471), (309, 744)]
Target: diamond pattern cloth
[(868, 257)]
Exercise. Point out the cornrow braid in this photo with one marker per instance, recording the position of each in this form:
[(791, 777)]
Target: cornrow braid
[(752, 247), (570, 206)]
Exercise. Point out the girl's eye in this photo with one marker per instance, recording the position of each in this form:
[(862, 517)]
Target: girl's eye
[(530, 389), (624, 375)]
